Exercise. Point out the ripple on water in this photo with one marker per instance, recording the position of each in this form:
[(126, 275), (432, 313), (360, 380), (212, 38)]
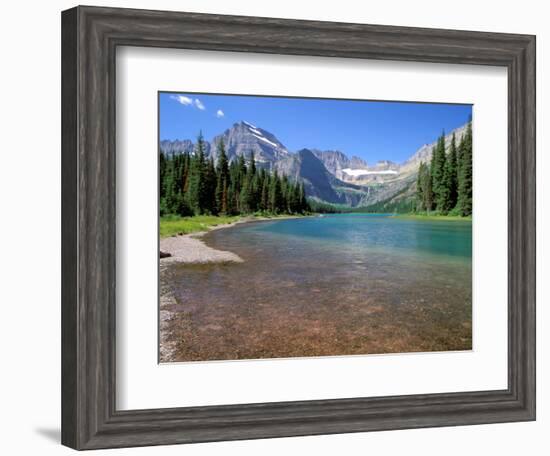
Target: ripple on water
[(326, 286)]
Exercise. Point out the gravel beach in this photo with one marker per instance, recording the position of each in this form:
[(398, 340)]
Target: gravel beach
[(183, 249), (190, 249)]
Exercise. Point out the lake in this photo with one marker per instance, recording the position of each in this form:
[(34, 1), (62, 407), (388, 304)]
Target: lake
[(339, 284)]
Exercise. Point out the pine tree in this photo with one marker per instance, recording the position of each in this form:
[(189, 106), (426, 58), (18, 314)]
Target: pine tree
[(222, 179), (241, 165), (224, 208), (445, 201), (294, 198), (275, 194), (285, 194), (439, 184), (465, 178), (252, 166), (304, 206), (451, 168), (420, 188), (185, 177), (196, 195), (232, 196), (210, 177), (264, 196), (424, 189), (428, 194), (249, 199), (162, 175), (194, 184), (170, 189), (246, 195)]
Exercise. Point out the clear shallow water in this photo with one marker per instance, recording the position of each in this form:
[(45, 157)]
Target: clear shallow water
[(333, 285)]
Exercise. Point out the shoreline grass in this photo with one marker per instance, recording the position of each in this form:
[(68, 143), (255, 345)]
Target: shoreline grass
[(439, 217), (172, 225)]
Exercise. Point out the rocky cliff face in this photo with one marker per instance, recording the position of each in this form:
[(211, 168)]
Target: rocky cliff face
[(244, 138), (424, 154), (335, 161), (305, 166), (176, 147), (319, 182), (329, 175)]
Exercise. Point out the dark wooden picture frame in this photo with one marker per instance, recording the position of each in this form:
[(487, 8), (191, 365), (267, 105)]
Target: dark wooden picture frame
[(90, 37)]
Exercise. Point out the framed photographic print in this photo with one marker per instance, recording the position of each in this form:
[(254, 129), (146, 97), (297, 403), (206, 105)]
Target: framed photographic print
[(279, 228)]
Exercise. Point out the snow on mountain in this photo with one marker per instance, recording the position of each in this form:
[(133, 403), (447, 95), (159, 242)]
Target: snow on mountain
[(365, 172), (266, 140), (249, 124), (244, 138), (329, 175)]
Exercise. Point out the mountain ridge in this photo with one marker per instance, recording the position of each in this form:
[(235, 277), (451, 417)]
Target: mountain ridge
[(329, 176)]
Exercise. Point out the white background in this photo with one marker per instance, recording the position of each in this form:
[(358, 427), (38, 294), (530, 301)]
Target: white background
[(142, 383), (30, 241)]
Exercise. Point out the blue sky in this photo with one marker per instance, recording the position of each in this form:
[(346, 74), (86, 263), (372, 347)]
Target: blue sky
[(372, 130)]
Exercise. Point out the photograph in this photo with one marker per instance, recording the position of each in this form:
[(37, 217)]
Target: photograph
[(299, 227)]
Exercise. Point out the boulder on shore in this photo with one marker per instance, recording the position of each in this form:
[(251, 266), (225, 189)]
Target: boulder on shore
[(165, 254)]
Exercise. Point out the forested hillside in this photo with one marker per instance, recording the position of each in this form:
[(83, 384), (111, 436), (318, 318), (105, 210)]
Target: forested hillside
[(247, 169), (445, 185), (192, 184)]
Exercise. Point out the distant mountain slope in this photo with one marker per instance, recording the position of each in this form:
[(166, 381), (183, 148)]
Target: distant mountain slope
[(335, 161), (424, 154), (177, 146), (329, 176), (305, 166), (244, 138)]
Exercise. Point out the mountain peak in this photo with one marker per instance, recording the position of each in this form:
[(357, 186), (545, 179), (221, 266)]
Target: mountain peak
[(248, 124), (244, 138)]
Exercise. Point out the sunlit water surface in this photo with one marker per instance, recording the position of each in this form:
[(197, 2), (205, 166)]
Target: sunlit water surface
[(334, 285)]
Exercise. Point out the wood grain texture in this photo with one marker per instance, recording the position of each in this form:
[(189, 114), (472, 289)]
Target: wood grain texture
[(89, 39)]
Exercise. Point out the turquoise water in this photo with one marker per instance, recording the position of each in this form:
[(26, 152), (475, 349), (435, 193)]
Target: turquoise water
[(381, 231), (332, 285)]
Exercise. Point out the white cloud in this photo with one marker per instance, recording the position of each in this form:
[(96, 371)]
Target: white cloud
[(186, 101), (199, 104), (220, 114)]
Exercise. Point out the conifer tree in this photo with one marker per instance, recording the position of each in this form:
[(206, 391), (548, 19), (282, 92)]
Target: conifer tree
[(424, 191), (264, 197), (437, 171), (170, 188), (185, 177), (451, 170), (162, 175), (222, 179), (210, 177), (224, 208), (246, 195), (304, 206), (419, 189), (194, 184), (427, 194), (275, 194), (196, 195), (465, 177), (252, 166)]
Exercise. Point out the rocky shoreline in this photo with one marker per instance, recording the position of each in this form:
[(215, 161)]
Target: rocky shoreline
[(185, 249), (191, 249)]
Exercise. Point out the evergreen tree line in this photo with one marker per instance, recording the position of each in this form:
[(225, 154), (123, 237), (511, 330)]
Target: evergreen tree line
[(192, 184), (445, 185)]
